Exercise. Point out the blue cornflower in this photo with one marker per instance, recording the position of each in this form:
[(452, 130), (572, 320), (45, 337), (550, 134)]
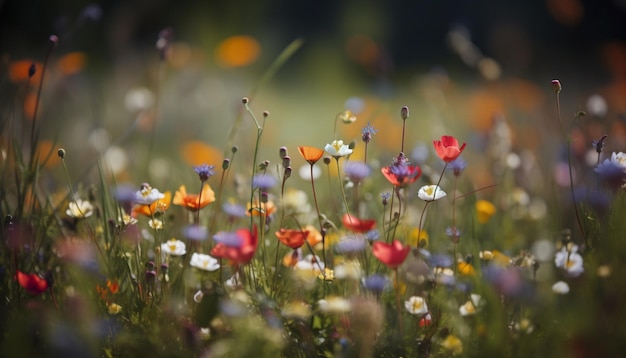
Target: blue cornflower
[(204, 171), (440, 260), (263, 181), (368, 132), (234, 210), (230, 239), (196, 232), (385, 198), (457, 166), (350, 245), (372, 235), (375, 283), (356, 170)]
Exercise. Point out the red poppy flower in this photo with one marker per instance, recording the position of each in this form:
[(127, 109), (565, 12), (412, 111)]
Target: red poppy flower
[(32, 283), (310, 154), (392, 255), (241, 254), (448, 148), (355, 224), (292, 238), (401, 175)]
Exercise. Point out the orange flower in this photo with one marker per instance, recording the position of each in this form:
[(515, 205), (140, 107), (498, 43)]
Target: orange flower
[(357, 225), (18, 71), (158, 207), (194, 202), (314, 237), (448, 148), (265, 209), (392, 255), (292, 238), (310, 154)]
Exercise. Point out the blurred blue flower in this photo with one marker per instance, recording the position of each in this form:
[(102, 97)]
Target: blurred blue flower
[(230, 239), (350, 244), (196, 232), (375, 283), (440, 260), (263, 181), (204, 171), (457, 166), (368, 132), (372, 235), (356, 170), (234, 210)]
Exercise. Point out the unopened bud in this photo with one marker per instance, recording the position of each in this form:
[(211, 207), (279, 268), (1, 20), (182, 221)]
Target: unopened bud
[(54, 39), (282, 152), (61, 153), (264, 197), (327, 160), (556, 86), (234, 149), (226, 164), (287, 172), (266, 114), (286, 161), (404, 113), (245, 100), (352, 145)]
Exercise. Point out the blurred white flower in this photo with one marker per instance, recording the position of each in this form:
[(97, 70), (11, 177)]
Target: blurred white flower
[(416, 305), (174, 247), (570, 261), (204, 262), (431, 193), (155, 224), (334, 304), (79, 209), (471, 306), (560, 287)]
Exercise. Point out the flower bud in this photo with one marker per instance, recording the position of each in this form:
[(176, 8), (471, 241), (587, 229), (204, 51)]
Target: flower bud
[(32, 69), (404, 113), (556, 86), (245, 100), (287, 173), (61, 153), (282, 152), (226, 164), (286, 161)]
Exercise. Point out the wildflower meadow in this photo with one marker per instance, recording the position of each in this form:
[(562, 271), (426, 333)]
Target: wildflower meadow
[(388, 226)]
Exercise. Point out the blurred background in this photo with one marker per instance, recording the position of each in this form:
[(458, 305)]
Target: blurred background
[(460, 66)]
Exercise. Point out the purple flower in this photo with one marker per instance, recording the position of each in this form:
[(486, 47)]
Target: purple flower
[(453, 232), (230, 239), (196, 232), (234, 210), (204, 171), (356, 170), (440, 260), (350, 245), (372, 235), (263, 181), (368, 132), (457, 166), (385, 198), (375, 283)]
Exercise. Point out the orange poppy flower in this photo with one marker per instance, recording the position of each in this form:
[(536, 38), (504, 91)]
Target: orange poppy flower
[(194, 202), (266, 209), (355, 224), (314, 237), (158, 207), (292, 238), (310, 154)]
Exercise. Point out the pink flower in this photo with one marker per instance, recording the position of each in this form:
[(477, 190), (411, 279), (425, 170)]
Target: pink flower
[(448, 148)]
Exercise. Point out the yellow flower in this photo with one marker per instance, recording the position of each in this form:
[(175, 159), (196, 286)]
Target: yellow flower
[(114, 308), (484, 210), (465, 268), (416, 235), (453, 344)]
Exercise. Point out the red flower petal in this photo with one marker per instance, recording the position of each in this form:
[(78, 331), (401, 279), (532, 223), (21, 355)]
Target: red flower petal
[(32, 283), (357, 225), (392, 255)]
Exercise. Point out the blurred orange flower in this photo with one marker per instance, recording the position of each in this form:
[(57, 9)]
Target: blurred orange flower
[(237, 51), (310, 154), (72, 63), (265, 209), (196, 153), (292, 238), (194, 202), (18, 71), (314, 237), (158, 207)]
